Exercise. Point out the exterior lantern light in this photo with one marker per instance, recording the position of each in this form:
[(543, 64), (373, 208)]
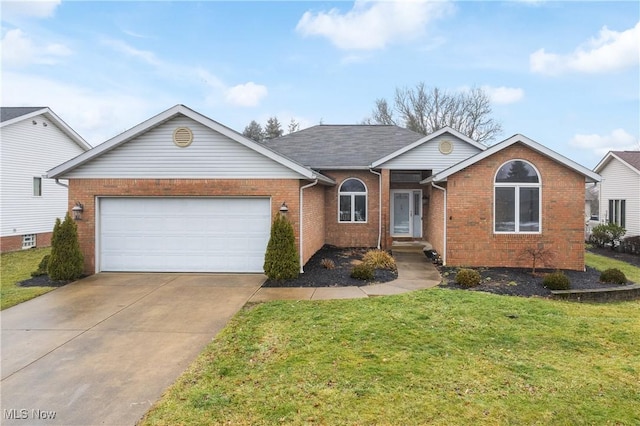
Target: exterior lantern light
[(77, 211), (284, 209)]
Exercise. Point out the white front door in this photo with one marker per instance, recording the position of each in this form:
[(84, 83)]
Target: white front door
[(406, 213)]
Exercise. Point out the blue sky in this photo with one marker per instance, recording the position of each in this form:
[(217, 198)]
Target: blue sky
[(565, 74)]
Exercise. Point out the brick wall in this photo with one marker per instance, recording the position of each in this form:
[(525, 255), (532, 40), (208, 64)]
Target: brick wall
[(435, 219), (313, 220), (86, 191), (14, 242), (352, 234), (470, 237)]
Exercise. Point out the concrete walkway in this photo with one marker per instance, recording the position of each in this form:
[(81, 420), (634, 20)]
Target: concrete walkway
[(415, 272)]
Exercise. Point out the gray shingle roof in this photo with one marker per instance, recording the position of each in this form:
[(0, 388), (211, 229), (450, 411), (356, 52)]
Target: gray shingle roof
[(631, 157), (9, 113), (342, 146)]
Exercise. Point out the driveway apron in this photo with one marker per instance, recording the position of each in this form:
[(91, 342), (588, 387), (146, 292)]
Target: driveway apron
[(102, 350)]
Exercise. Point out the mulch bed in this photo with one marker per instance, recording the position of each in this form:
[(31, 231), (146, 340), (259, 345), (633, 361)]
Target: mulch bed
[(41, 281), (316, 275)]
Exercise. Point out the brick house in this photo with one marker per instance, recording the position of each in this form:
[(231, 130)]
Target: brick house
[(183, 193)]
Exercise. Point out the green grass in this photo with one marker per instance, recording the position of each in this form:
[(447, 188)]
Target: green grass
[(436, 356), (602, 263), (15, 267)]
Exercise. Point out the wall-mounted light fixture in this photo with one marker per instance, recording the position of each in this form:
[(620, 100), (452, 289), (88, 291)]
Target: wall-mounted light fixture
[(283, 208), (44, 124), (34, 122), (77, 211)]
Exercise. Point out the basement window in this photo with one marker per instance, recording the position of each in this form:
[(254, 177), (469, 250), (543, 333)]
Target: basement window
[(28, 241)]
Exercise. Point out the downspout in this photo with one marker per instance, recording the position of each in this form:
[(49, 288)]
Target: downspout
[(61, 184), (444, 222), (379, 205), (300, 219)]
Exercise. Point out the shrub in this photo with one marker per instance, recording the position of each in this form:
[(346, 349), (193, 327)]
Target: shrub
[(328, 264), (557, 281), (281, 261), (468, 277), (630, 245), (537, 254), (606, 234), (379, 259), (613, 276), (66, 261), (42, 267), (362, 271)]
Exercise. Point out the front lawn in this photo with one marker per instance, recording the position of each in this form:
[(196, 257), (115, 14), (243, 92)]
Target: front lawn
[(602, 263), (15, 267), (428, 357)]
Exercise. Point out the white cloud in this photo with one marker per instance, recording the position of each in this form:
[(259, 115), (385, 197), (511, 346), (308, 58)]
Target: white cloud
[(18, 50), (29, 9), (617, 140), (504, 95), (371, 24), (127, 49), (610, 51), (246, 95)]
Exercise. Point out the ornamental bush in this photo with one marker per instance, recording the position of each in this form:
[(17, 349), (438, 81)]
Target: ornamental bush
[(362, 271), (468, 277), (613, 276), (606, 234), (379, 259), (281, 261), (66, 261), (556, 281), (42, 267)]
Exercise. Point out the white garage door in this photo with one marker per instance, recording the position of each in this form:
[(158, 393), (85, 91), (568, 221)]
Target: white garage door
[(184, 234)]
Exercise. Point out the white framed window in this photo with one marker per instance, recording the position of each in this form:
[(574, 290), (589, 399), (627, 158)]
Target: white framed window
[(617, 212), (517, 201), (37, 187), (28, 241), (352, 201)]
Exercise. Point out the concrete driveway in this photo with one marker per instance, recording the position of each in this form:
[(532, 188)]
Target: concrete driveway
[(102, 350)]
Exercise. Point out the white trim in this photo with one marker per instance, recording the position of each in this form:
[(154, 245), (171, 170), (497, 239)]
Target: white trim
[(353, 201), (517, 186), (442, 176), (412, 207), (425, 139), (607, 158), (167, 115), (300, 220)]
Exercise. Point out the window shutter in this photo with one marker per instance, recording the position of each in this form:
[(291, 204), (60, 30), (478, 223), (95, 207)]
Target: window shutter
[(622, 214), (611, 212)]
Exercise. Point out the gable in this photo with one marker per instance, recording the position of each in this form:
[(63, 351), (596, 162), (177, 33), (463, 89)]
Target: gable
[(153, 154), (429, 156)]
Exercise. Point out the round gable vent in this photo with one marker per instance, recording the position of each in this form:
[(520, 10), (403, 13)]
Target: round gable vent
[(446, 147), (182, 137)]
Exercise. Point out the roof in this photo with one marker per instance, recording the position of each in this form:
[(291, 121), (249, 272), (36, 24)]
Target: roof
[(442, 176), (630, 159), (357, 146), (11, 115), (169, 114)]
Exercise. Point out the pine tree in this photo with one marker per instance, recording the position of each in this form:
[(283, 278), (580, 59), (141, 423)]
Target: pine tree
[(281, 261), (66, 261), (294, 126), (254, 131), (273, 129)]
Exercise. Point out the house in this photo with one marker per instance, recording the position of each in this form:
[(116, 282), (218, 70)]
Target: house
[(181, 192), (620, 190), (34, 139)]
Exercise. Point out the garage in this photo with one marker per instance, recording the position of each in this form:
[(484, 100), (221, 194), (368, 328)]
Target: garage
[(149, 234)]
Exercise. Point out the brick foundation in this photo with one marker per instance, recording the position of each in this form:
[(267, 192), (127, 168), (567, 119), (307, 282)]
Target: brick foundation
[(14, 242)]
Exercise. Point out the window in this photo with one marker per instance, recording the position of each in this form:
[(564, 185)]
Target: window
[(37, 187), (352, 201), (517, 198), (28, 241), (617, 212)]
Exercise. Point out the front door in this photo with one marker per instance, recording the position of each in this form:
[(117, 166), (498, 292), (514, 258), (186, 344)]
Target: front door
[(406, 213)]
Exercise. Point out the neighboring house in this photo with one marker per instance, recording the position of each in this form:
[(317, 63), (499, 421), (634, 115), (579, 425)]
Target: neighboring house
[(181, 192), (33, 139), (620, 190)]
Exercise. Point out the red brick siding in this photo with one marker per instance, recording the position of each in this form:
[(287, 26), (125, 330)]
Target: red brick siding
[(86, 191), (313, 220), (352, 234), (14, 242), (434, 219), (470, 237)]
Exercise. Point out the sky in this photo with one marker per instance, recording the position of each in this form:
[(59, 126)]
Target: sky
[(565, 74)]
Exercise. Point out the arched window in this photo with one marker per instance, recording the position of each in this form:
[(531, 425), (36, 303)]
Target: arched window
[(517, 201), (352, 201)]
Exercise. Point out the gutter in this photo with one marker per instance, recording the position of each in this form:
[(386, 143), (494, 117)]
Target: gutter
[(61, 184), (379, 206), (444, 222), (300, 218)]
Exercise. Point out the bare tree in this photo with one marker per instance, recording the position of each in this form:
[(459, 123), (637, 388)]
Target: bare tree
[(426, 110)]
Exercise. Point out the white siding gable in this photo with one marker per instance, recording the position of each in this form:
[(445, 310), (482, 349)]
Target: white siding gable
[(154, 155), (619, 182), (28, 151), (428, 156)]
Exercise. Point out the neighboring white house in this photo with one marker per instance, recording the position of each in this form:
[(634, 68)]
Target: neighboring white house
[(32, 141), (620, 190)]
